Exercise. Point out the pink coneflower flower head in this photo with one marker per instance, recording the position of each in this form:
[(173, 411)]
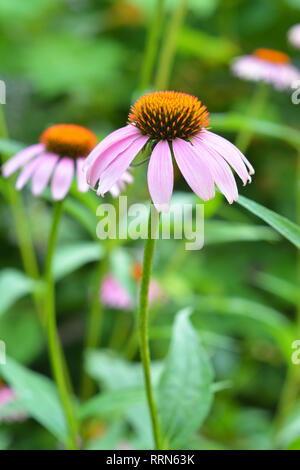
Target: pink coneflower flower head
[(175, 126), (7, 395), (120, 185), (267, 65), (294, 36), (114, 295), (59, 154)]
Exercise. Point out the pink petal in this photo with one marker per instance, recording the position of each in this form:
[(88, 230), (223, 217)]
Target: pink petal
[(21, 158), (115, 190), (105, 158), (194, 169), (219, 169), (62, 178), (119, 165), (228, 151), (161, 176), (81, 176), (27, 172), (127, 177), (43, 172), (114, 137)]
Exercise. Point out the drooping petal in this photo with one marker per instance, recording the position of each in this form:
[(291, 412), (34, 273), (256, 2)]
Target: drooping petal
[(219, 169), (119, 165), (21, 158), (105, 158), (62, 178), (43, 172), (27, 172), (127, 177), (115, 190), (228, 151), (194, 169), (161, 176), (81, 176), (114, 137)]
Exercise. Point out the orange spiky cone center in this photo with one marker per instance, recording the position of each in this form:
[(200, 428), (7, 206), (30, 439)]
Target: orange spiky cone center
[(271, 55), (165, 115), (69, 140)]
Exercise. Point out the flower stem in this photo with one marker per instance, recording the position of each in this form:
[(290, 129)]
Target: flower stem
[(169, 46), (152, 45), (153, 226), (20, 219), (55, 350)]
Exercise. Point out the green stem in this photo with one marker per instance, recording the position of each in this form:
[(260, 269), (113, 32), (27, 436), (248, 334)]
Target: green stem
[(169, 46), (153, 226), (257, 105), (20, 219), (152, 45), (55, 349)]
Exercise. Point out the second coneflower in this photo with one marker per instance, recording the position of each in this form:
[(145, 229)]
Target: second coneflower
[(59, 154), (268, 66), (173, 124)]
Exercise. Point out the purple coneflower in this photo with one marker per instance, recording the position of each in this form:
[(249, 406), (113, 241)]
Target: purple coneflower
[(294, 35), (175, 125), (267, 65), (61, 152)]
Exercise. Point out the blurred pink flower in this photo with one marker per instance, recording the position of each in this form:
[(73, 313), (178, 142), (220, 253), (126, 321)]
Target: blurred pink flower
[(7, 395), (174, 124), (294, 35), (267, 65), (114, 295)]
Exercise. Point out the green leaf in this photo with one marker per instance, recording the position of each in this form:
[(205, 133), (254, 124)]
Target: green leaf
[(211, 49), (71, 257), (115, 374), (285, 227), (112, 438), (273, 322), (23, 335), (10, 147), (237, 122), (185, 394), (113, 401), (14, 285), (282, 288), (216, 231), (38, 396)]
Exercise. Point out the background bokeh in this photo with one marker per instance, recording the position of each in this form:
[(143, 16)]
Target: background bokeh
[(79, 61)]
